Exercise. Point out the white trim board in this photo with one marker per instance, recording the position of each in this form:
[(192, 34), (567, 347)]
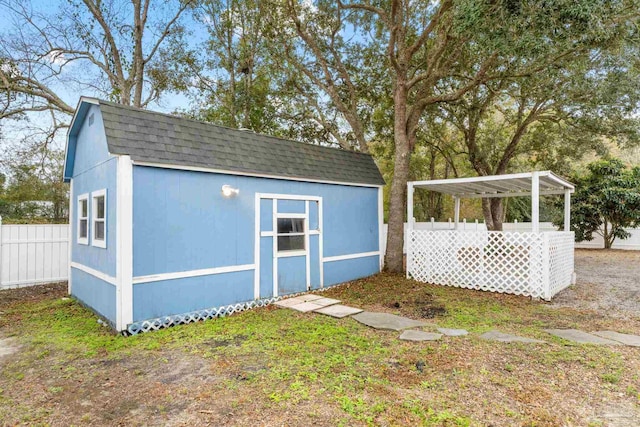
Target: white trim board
[(351, 256), (250, 174), (95, 273), (124, 242), (193, 273)]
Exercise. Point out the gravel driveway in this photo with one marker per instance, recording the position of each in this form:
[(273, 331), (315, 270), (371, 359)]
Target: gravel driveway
[(607, 281)]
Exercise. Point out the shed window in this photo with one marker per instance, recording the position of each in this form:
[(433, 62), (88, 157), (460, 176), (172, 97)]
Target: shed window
[(99, 219), (291, 234), (83, 219)]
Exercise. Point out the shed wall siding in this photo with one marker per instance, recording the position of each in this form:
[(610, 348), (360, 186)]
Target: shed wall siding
[(157, 299), (181, 222), (336, 272), (95, 293), (94, 169)]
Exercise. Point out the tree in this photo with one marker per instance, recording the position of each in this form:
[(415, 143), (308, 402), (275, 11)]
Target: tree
[(606, 201), (234, 82), (547, 118), (123, 50), (34, 190)]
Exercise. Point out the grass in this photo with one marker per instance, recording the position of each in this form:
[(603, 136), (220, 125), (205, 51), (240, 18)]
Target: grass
[(277, 366)]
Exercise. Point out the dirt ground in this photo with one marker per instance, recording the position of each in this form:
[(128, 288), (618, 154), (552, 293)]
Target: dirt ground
[(607, 282), (275, 367)]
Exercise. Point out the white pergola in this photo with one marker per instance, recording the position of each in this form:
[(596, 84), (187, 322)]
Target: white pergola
[(533, 263), (534, 184)]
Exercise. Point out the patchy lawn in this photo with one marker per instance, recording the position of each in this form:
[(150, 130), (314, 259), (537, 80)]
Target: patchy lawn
[(279, 367)]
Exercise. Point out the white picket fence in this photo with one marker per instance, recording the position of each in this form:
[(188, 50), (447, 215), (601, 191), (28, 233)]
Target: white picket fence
[(32, 254), (631, 244)]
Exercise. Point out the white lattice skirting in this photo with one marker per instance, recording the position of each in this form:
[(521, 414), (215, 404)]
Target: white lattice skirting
[(208, 313), (533, 264)]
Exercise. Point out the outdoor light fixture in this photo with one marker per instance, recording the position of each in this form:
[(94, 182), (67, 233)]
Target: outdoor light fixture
[(229, 191)]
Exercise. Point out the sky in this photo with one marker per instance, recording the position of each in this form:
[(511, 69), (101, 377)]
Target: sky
[(168, 103)]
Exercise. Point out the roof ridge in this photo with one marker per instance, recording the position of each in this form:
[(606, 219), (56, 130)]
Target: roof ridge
[(188, 119)]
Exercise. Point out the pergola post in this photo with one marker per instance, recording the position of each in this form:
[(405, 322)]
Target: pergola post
[(407, 240), (535, 202), (567, 209), (456, 212)]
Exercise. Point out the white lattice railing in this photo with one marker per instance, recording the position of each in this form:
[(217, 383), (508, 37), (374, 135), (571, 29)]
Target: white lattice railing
[(532, 264), (561, 246)]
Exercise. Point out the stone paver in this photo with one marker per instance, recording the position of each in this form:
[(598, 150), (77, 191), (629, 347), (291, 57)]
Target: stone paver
[(413, 335), (306, 307), (626, 339), (339, 311), (288, 302), (326, 301), (580, 337), (503, 337), (453, 332), (387, 321)]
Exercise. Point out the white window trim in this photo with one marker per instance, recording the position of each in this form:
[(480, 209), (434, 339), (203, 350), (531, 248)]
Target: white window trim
[(82, 240), (94, 212)]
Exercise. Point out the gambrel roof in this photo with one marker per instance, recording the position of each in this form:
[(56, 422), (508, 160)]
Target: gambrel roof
[(164, 139)]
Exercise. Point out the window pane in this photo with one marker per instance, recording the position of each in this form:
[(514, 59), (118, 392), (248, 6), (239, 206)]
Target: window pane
[(82, 233), (100, 207), (290, 243), (290, 225), (83, 208), (99, 230)]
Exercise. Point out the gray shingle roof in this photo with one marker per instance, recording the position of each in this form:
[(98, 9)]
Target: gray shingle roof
[(153, 137)]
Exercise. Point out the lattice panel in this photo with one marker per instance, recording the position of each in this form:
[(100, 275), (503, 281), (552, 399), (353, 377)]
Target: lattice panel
[(484, 260), (561, 268), (206, 314)]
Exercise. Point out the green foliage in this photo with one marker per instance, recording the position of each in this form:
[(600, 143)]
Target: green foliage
[(34, 191), (606, 201)]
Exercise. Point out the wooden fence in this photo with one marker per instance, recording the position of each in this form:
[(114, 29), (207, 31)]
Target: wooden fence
[(32, 254)]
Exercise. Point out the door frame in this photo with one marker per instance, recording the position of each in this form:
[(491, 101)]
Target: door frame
[(274, 215)]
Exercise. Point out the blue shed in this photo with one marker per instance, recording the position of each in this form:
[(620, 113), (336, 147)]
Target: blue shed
[(175, 220)]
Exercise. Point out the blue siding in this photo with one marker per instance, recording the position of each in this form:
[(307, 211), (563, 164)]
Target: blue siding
[(266, 267), (156, 299), (95, 169), (314, 256), (291, 206), (313, 215), (95, 293), (91, 146), (337, 272), (292, 276), (266, 215), (182, 222)]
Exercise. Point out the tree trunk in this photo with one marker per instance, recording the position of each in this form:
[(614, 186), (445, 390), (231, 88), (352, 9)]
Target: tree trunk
[(497, 214), (395, 232), (607, 236), (493, 213), (138, 58)]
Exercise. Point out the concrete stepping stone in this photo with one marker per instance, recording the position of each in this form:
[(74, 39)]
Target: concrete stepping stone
[(626, 339), (288, 302), (580, 337), (387, 321), (339, 311), (418, 336), (453, 332), (325, 301), (503, 337)]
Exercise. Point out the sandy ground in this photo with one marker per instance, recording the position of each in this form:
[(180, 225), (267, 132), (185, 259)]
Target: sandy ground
[(607, 282)]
